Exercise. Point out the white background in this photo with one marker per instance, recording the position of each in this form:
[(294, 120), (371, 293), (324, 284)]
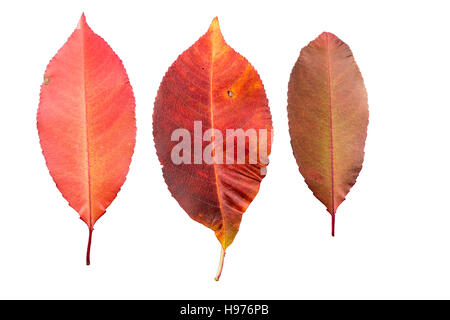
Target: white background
[(392, 233)]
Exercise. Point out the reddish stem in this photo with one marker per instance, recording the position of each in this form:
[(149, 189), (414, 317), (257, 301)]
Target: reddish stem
[(219, 271), (88, 253), (332, 224)]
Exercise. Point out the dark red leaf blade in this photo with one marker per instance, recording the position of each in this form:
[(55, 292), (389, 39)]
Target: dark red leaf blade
[(213, 84)]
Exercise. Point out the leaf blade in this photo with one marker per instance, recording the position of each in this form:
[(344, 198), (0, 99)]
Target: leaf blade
[(86, 123), (213, 84), (328, 118)]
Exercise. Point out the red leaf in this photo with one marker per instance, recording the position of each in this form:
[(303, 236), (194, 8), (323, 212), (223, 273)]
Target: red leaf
[(213, 84), (328, 118), (86, 123)]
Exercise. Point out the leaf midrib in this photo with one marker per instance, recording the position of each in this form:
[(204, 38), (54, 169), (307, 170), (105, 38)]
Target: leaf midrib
[(83, 65), (211, 104), (331, 124)]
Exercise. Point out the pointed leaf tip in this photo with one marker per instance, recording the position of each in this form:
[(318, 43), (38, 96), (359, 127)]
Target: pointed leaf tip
[(214, 27), (82, 22), (215, 34), (326, 34)]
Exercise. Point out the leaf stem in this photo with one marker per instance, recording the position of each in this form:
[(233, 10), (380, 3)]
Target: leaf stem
[(219, 271), (332, 224), (88, 253)]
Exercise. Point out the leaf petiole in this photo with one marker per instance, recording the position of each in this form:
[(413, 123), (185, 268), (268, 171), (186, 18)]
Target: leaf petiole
[(219, 271), (88, 253)]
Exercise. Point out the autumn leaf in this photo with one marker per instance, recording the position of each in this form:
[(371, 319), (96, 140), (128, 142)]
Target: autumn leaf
[(86, 123), (328, 118), (212, 86)]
